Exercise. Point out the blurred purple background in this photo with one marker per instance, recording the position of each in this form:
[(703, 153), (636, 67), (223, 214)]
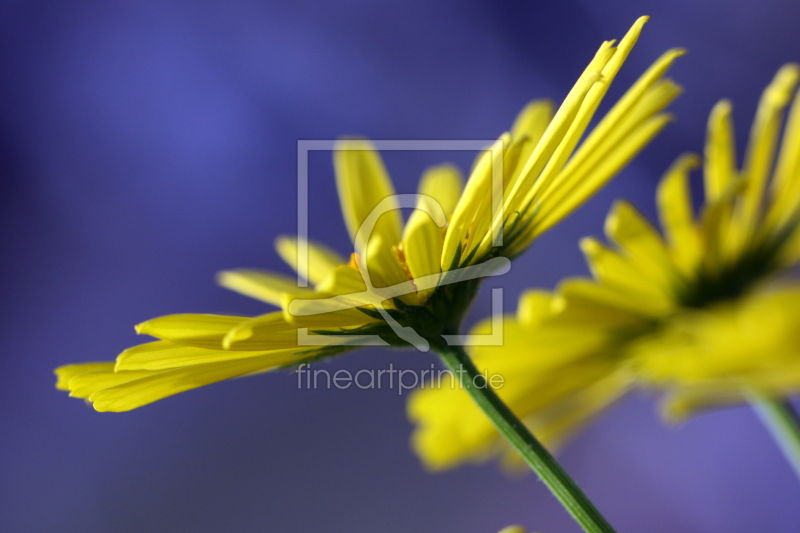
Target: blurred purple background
[(147, 145)]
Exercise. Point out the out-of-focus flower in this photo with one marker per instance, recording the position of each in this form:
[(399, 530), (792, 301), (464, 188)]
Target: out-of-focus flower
[(706, 311), (404, 284)]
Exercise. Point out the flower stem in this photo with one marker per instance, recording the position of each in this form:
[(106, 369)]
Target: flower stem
[(781, 419), (532, 451)]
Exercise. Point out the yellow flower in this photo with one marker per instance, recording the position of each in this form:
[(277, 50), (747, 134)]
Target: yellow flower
[(404, 284), (702, 311)]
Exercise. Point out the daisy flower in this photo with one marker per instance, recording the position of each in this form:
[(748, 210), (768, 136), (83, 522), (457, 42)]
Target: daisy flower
[(706, 311)]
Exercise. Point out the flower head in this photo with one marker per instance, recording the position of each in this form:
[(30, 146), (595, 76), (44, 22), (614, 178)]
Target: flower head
[(404, 284), (704, 310)]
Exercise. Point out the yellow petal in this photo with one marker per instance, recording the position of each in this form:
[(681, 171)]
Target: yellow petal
[(423, 239), (528, 184), (720, 151), (345, 279), (560, 207), (646, 97), (474, 204), (67, 372), (583, 301), (439, 190), (381, 259), (618, 272), (262, 285), (363, 183), (161, 355), (629, 229), (533, 307), (138, 392), (720, 175), (321, 259), (202, 331), (541, 348), (677, 213), (481, 232), (443, 183), (718, 241), (630, 124), (588, 107), (786, 183), (86, 384), (329, 313), (525, 183), (262, 333), (763, 139), (532, 122)]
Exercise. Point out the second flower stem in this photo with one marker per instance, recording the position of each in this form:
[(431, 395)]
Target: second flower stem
[(522, 440), (781, 419)]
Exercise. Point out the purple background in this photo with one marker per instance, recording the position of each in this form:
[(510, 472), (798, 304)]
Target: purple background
[(147, 145)]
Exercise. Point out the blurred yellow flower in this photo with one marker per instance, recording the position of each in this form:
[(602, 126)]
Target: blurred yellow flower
[(404, 284), (702, 311)]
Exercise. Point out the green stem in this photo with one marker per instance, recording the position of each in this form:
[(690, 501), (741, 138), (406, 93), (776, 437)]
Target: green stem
[(783, 423), (535, 455)]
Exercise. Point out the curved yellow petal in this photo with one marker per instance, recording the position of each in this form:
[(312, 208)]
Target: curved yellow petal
[(423, 236), (558, 127), (203, 331), (85, 384), (532, 122), (568, 199), (135, 393), (474, 204), (786, 182), (262, 333), (646, 97), (676, 213), (345, 279), (632, 232), (162, 355), (363, 183), (444, 184), (382, 265), (528, 185), (764, 134), (720, 151), (328, 313), (617, 271), (533, 307), (262, 285), (587, 109), (321, 260), (65, 373), (582, 301)]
